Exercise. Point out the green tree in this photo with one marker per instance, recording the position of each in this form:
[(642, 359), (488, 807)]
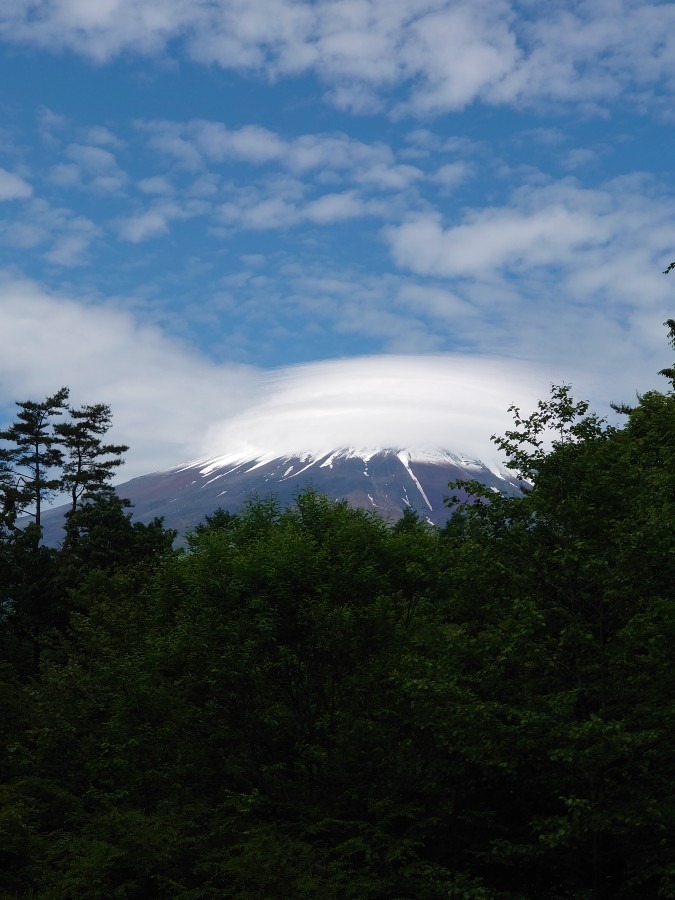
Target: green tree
[(218, 731), (101, 535), (38, 585), (42, 457), (556, 595), (311, 703), (33, 453), (87, 464)]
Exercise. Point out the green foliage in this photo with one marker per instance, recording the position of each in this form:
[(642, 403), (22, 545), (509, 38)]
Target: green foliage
[(670, 325), (564, 580), (554, 426), (89, 464), (39, 585), (39, 444), (34, 450), (310, 703), (102, 535)]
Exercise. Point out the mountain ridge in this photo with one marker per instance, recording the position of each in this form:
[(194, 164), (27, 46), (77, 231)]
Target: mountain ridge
[(395, 479), (383, 480)]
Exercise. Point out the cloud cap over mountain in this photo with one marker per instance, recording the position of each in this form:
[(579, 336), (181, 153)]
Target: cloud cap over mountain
[(412, 402)]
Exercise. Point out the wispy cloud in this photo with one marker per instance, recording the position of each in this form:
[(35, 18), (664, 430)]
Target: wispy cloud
[(155, 221), (90, 168), (163, 395), (70, 249), (157, 184), (557, 224), (171, 405), (444, 55), (61, 235), (195, 143), (13, 187), (308, 166)]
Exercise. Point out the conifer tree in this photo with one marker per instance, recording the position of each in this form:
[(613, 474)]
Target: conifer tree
[(26, 479), (88, 463)]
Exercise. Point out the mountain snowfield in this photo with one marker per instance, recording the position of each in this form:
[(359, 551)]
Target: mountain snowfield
[(385, 480), (326, 458)]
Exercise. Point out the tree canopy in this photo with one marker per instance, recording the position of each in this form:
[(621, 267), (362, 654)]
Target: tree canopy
[(39, 442), (311, 702)]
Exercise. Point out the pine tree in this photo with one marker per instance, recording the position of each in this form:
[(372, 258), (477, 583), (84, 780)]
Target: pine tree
[(88, 463), (25, 477)]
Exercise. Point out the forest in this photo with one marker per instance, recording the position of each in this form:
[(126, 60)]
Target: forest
[(314, 703)]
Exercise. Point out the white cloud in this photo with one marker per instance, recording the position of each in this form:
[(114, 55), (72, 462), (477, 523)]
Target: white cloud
[(558, 273), (158, 184), (251, 143), (101, 136), (593, 53), (70, 249), (49, 123), (561, 274), (163, 395), (445, 53), (579, 157), (275, 212), (23, 235), (281, 204), (336, 151), (171, 405), (445, 401), (334, 208), (165, 137), (256, 260), (96, 30), (359, 99), (12, 187), (90, 168), (451, 175), (389, 177), (66, 235), (193, 144), (436, 301), (93, 159), (495, 238), (458, 52), (109, 184), (242, 35), (204, 186), (148, 224), (556, 224), (153, 222)]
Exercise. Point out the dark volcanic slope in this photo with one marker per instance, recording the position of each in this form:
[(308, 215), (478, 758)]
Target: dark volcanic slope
[(387, 481)]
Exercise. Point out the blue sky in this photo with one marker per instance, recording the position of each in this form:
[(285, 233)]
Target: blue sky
[(196, 196)]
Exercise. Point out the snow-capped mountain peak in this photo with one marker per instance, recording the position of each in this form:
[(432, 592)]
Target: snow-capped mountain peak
[(385, 479)]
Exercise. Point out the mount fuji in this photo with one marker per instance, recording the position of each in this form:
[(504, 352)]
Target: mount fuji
[(384, 433), (384, 480)]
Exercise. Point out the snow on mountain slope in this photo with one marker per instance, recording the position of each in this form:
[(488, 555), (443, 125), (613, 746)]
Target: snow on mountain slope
[(384, 479)]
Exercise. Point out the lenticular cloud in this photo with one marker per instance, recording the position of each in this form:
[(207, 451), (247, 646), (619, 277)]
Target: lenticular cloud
[(404, 402)]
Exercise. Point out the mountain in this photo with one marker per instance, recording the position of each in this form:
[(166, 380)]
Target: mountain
[(385, 480)]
